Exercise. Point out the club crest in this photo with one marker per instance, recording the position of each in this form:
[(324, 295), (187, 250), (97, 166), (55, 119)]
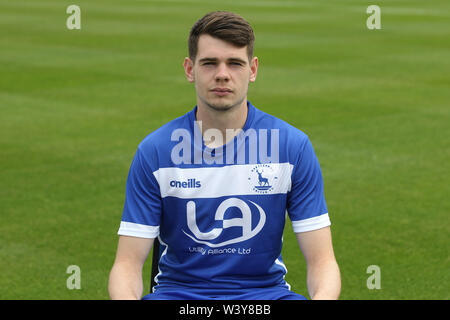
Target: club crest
[(262, 178)]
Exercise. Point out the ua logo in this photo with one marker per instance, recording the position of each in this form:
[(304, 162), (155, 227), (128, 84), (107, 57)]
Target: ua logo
[(245, 222)]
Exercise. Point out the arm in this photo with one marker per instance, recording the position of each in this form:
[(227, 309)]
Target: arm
[(323, 277), (125, 279)]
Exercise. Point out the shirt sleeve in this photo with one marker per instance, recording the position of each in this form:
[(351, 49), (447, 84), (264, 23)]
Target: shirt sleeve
[(306, 205), (142, 210)]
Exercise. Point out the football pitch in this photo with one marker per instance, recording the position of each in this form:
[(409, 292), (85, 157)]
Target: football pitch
[(75, 104)]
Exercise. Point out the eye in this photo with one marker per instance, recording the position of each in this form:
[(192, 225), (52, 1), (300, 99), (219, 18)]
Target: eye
[(236, 63)]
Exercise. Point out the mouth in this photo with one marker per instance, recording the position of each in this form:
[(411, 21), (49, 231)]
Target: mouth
[(221, 91)]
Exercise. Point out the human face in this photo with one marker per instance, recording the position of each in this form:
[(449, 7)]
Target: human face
[(221, 73)]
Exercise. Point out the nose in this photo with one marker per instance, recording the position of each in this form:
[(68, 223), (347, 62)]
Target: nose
[(222, 73)]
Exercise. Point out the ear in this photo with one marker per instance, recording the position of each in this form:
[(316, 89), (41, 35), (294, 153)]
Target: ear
[(253, 69), (189, 69)]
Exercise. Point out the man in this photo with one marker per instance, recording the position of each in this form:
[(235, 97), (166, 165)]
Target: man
[(215, 185)]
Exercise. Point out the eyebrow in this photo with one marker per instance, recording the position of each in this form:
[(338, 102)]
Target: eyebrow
[(229, 60)]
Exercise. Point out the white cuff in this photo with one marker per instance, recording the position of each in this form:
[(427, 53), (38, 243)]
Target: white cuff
[(138, 230), (311, 224)]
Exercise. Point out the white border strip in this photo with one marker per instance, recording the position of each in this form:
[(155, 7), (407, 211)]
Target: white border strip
[(159, 269), (138, 230), (311, 224), (280, 263)]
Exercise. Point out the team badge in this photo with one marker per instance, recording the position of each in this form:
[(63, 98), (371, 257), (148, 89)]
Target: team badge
[(262, 178)]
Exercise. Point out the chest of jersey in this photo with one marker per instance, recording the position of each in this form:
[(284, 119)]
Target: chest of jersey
[(224, 207)]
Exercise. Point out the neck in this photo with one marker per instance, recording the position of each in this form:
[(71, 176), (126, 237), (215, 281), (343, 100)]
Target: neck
[(228, 122)]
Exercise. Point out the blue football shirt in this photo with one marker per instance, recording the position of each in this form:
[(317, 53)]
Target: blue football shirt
[(220, 213)]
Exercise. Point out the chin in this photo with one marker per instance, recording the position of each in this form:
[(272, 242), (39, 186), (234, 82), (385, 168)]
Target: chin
[(219, 104)]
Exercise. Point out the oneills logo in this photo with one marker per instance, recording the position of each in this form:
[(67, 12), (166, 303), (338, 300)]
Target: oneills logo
[(189, 183)]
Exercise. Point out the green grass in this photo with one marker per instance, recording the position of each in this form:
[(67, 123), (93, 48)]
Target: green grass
[(75, 104)]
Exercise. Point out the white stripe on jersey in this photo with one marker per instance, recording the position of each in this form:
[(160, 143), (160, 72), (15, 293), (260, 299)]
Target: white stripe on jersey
[(231, 180)]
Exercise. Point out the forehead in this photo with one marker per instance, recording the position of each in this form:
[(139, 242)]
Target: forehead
[(211, 47)]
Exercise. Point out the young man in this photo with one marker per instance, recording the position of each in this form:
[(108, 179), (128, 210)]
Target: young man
[(215, 185)]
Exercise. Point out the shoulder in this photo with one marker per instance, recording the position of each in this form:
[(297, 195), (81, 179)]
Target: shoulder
[(291, 139), (266, 120), (157, 145), (157, 137)]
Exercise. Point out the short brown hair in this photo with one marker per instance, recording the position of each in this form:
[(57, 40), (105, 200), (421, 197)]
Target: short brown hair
[(224, 25)]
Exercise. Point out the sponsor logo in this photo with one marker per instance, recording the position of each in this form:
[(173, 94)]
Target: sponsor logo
[(189, 183), (245, 222)]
